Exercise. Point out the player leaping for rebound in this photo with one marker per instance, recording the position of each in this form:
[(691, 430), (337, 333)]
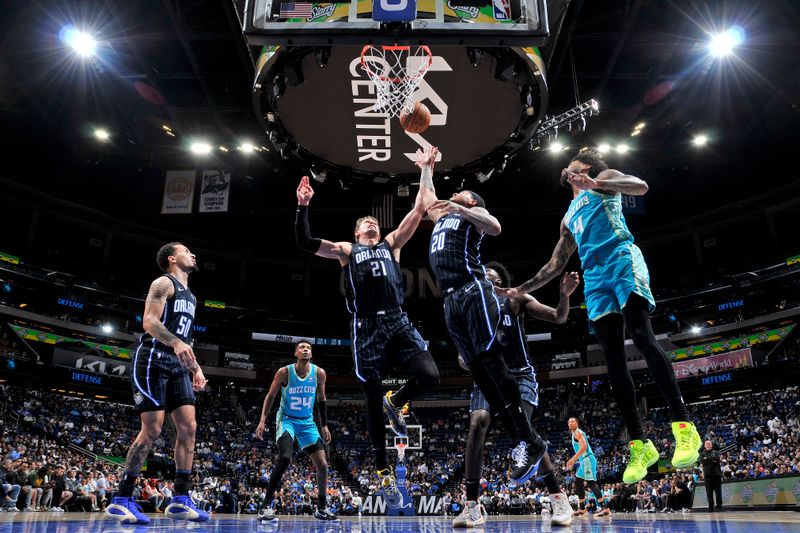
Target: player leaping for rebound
[(301, 385), (380, 330), (472, 311), (617, 290)]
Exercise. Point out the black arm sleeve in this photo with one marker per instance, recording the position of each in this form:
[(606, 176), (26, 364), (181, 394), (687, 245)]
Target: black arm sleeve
[(302, 231), (323, 412)]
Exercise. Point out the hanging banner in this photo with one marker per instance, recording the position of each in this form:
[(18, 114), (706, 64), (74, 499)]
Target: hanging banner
[(178, 192), (214, 192)]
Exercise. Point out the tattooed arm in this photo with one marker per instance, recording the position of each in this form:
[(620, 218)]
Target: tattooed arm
[(610, 181), (162, 290), (565, 247), (408, 226)]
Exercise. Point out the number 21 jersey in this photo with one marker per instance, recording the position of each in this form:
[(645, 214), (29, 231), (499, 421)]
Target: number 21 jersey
[(373, 281)]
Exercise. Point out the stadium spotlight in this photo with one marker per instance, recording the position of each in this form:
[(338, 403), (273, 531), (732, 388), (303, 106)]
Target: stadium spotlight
[(200, 147), (556, 147), (696, 329), (700, 140), (722, 44), (107, 328), (604, 148), (101, 134), (247, 148), (80, 41), (622, 148)]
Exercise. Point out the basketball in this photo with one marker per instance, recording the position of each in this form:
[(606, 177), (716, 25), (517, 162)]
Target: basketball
[(418, 120)]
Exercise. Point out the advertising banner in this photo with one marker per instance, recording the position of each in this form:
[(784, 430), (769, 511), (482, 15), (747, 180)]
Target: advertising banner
[(784, 491), (713, 363)]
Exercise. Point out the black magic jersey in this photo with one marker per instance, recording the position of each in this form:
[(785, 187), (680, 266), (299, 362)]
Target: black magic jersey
[(455, 252), (373, 281), (178, 317), (515, 351)]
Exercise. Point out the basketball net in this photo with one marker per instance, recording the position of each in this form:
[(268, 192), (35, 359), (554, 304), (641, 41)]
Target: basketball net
[(397, 72), (401, 451)]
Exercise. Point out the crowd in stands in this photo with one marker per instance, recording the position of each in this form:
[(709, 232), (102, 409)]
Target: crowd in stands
[(43, 469)]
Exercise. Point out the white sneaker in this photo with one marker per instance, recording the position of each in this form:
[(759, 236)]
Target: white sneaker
[(562, 511), (267, 515), (471, 516)]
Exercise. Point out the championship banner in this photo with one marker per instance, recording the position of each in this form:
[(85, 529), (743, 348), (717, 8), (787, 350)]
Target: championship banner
[(214, 191), (713, 363), (776, 492), (178, 192)]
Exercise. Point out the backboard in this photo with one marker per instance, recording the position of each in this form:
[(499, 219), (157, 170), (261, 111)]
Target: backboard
[(465, 22)]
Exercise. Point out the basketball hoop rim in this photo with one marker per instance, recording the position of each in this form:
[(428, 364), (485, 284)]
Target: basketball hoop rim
[(396, 48)]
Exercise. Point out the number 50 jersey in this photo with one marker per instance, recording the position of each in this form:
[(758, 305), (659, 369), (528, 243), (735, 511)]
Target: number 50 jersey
[(373, 281), (178, 317)]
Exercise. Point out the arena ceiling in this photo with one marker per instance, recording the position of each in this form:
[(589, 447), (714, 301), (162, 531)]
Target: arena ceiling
[(184, 65)]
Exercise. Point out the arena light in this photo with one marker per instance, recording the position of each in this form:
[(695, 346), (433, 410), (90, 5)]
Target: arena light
[(200, 147), (101, 134), (604, 148), (246, 148), (107, 328), (700, 140), (80, 41), (556, 147), (695, 330), (622, 148), (723, 44)]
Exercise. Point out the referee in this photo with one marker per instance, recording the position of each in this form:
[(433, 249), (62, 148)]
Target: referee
[(712, 474)]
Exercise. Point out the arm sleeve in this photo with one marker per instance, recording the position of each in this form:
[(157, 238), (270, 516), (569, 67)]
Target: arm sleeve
[(302, 231), (323, 412)]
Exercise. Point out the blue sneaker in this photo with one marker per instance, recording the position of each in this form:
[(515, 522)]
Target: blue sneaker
[(183, 508), (392, 495), (126, 510)]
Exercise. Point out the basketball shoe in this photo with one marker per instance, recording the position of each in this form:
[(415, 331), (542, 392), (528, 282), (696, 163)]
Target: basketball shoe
[(395, 415), (471, 515), (687, 444), (126, 510), (183, 508), (526, 457), (562, 511), (392, 495), (643, 455), (267, 514), (324, 514)]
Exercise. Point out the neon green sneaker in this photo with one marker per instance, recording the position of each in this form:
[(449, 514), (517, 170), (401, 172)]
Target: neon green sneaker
[(643, 455), (687, 444)]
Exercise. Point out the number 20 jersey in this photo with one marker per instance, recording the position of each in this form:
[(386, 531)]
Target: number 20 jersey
[(373, 281), (178, 317), (455, 252)]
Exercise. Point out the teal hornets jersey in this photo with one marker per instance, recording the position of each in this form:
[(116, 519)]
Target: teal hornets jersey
[(299, 395), (597, 225), (577, 445)]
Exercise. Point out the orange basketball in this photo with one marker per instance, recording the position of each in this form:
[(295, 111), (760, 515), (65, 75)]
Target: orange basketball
[(417, 120)]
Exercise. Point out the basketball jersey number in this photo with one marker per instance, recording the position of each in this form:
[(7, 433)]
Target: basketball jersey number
[(184, 325), (378, 268), (577, 226), (437, 243), (506, 320), (298, 402)]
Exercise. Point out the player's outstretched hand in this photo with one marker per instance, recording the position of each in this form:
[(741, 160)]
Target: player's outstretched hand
[(511, 293), (446, 207), (304, 191), (569, 282), (260, 429), (582, 181), (427, 157), (326, 435)]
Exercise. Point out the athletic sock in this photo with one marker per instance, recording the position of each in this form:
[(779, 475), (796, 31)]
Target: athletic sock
[(473, 489), (551, 482), (127, 485), (182, 482)]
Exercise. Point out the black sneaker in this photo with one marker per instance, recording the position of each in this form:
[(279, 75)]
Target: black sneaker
[(324, 514), (526, 457), (395, 415)]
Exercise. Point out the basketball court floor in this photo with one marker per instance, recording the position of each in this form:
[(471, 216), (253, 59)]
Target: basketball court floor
[(728, 522)]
